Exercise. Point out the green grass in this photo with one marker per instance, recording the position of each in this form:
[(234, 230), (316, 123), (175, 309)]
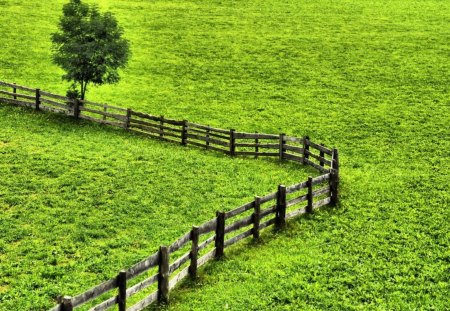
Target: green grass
[(370, 78)]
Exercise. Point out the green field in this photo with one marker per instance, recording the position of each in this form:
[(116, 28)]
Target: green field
[(80, 201)]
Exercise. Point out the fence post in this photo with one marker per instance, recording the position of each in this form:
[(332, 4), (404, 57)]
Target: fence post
[(208, 130), (184, 133), (305, 149), (163, 275), (282, 146), (232, 142), (105, 109), (38, 98), (67, 303), (76, 108), (334, 178), (194, 252), (256, 146), (280, 220), (309, 196), (14, 91), (122, 285), (322, 154), (256, 217), (220, 234), (128, 119), (161, 128)]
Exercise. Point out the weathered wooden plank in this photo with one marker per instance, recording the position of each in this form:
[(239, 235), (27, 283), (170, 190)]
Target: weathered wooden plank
[(206, 242), (239, 210), (180, 276), (321, 191), (209, 139), (94, 292), (103, 113), (296, 187), (293, 148), (56, 110), (258, 145), (190, 142), (239, 224), (55, 96), (268, 197), (321, 202), (148, 134), (142, 285), (180, 242), (105, 305), (19, 87), (207, 257), (86, 102), (18, 95), (297, 200), (101, 121), (154, 130), (53, 103), (204, 127), (319, 147), (155, 118), (296, 212), (204, 132), (243, 135), (320, 179), (208, 226), (252, 153), (143, 266), (238, 237), (267, 211), (157, 125), (267, 223), (145, 302), (179, 262), (316, 166), (318, 158), (16, 102), (292, 157)]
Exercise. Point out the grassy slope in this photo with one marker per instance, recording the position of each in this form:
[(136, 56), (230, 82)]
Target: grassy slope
[(369, 78)]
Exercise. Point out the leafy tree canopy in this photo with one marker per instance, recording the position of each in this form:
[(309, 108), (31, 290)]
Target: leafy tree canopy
[(89, 46)]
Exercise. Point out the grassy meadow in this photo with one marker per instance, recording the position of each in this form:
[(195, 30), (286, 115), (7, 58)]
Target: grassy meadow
[(80, 201)]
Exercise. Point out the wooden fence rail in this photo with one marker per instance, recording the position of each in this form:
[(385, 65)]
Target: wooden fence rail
[(228, 227)]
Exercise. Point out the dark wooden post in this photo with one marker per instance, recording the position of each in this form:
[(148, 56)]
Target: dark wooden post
[(232, 142), (161, 128), (334, 178), (194, 252), (163, 275), (281, 146), (38, 99), (67, 303), (122, 286), (208, 130), (105, 109), (14, 91), (256, 146), (305, 149), (322, 154), (256, 217), (280, 220), (76, 108), (128, 119), (184, 133), (309, 196), (220, 234)]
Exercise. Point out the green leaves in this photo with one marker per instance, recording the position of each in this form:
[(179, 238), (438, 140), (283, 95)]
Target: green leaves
[(89, 46)]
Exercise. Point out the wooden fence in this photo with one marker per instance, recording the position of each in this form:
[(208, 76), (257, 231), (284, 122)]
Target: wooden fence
[(209, 240)]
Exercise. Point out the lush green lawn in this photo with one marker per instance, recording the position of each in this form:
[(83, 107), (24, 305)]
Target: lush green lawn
[(371, 78)]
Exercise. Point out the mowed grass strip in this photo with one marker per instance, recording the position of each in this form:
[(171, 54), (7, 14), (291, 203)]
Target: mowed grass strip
[(370, 78)]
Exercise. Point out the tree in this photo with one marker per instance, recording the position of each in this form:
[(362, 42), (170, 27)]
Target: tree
[(89, 47)]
